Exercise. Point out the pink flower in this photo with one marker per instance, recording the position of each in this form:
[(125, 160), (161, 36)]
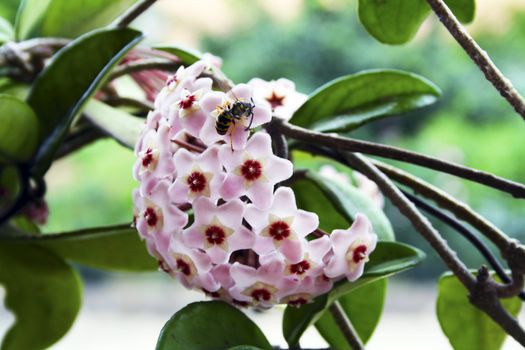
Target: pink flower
[(192, 117), (351, 248), (191, 266), (215, 103), (218, 230), (264, 286), (282, 226), (253, 171), (37, 211), (370, 189), (309, 288), (280, 95), (197, 176)]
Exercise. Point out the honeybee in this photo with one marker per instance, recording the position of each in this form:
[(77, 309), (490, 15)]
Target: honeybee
[(232, 112)]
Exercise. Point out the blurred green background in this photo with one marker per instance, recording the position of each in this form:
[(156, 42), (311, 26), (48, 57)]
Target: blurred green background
[(312, 42)]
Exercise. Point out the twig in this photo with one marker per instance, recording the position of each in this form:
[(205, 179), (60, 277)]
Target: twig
[(145, 64), (117, 101), (133, 12), (78, 140), (347, 144), (461, 210), (476, 242), (479, 56), (346, 326), (483, 290)]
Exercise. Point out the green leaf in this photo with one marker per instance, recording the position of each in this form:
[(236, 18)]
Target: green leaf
[(348, 201), (6, 30), (19, 132), (42, 291), (68, 19), (386, 260), (74, 75), (8, 9), (210, 325), (121, 125), (186, 55), (464, 10), (353, 100), (10, 186), (244, 347), (29, 18), (397, 21), (363, 307), (466, 326), (111, 248)]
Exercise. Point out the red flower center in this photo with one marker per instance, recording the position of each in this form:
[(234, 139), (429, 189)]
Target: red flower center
[(298, 301), (261, 294), (183, 267), (196, 181), (188, 102), (151, 217), (251, 170), (359, 253), (275, 100), (148, 158), (240, 303), (279, 230), (211, 294), (300, 268), (215, 234)]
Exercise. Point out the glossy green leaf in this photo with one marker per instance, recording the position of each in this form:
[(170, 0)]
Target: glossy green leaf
[(397, 21), (465, 326), (42, 291), (244, 347), (29, 18), (212, 325), (121, 125), (386, 260), (14, 88), (69, 19), (74, 75), (111, 248), (353, 100), (363, 307), (348, 201), (6, 31), (186, 55), (10, 185), (19, 132)]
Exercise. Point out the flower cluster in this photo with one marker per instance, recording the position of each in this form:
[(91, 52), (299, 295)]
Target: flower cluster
[(207, 204)]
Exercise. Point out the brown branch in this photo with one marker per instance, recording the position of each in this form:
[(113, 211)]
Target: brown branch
[(479, 56), (347, 144), (133, 12), (483, 291), (345, 326)]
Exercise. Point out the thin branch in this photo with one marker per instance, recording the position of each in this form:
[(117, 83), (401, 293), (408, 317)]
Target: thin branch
[(145, 64), (133, 12), (346, 326), (483, 290), (78, 140), (484, 250), (479, 56), (461, 210), (117, 101), (347, 144)]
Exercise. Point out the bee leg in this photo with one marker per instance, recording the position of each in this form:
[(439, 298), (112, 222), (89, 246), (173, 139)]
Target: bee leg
[(231, 134), (251, 120)]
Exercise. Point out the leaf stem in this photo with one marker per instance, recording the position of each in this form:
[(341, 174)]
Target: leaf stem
[(478, 56), (346, 327), (133, 12), (347, 144), (144, 64)]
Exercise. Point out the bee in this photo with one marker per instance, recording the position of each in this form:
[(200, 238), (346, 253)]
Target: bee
[(232, 112)]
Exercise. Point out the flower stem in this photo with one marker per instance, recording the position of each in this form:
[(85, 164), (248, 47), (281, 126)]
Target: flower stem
[(346, 327), (479, 56), (133, 12)]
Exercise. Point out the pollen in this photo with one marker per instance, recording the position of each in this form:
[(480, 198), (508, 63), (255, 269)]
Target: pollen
[(251, 170), (196, 181), (279, 230), (151, 217), (300, 268), (359, 253), (215, 234)]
